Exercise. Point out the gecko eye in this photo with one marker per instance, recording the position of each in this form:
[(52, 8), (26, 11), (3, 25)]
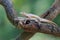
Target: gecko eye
[(27, 22)]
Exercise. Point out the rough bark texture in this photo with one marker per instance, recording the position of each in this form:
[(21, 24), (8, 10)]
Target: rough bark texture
[(25, 36), (54, 10)]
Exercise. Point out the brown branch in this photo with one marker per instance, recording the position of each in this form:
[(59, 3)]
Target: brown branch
[(51, 13), (25, 36)]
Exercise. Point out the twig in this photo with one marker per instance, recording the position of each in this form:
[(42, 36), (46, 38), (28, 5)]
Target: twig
[(54, 10)]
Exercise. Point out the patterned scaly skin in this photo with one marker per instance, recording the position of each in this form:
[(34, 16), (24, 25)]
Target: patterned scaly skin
[(32, 22), (37, 17)]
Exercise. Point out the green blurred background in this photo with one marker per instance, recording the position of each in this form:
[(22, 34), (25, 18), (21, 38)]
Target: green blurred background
[(9, 32)]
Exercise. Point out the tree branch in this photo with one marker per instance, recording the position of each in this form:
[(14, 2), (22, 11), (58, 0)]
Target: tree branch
[(25, 36), (53, 11)]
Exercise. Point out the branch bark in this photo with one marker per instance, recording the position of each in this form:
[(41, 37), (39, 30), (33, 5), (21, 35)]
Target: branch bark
[(25, 36), (53, 11)]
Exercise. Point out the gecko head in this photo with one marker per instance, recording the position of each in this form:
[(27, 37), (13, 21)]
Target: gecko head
[(29, 25), (26, 21)]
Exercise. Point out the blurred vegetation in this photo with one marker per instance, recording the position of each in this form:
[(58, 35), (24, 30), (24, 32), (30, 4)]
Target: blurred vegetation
[(9, 32)]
